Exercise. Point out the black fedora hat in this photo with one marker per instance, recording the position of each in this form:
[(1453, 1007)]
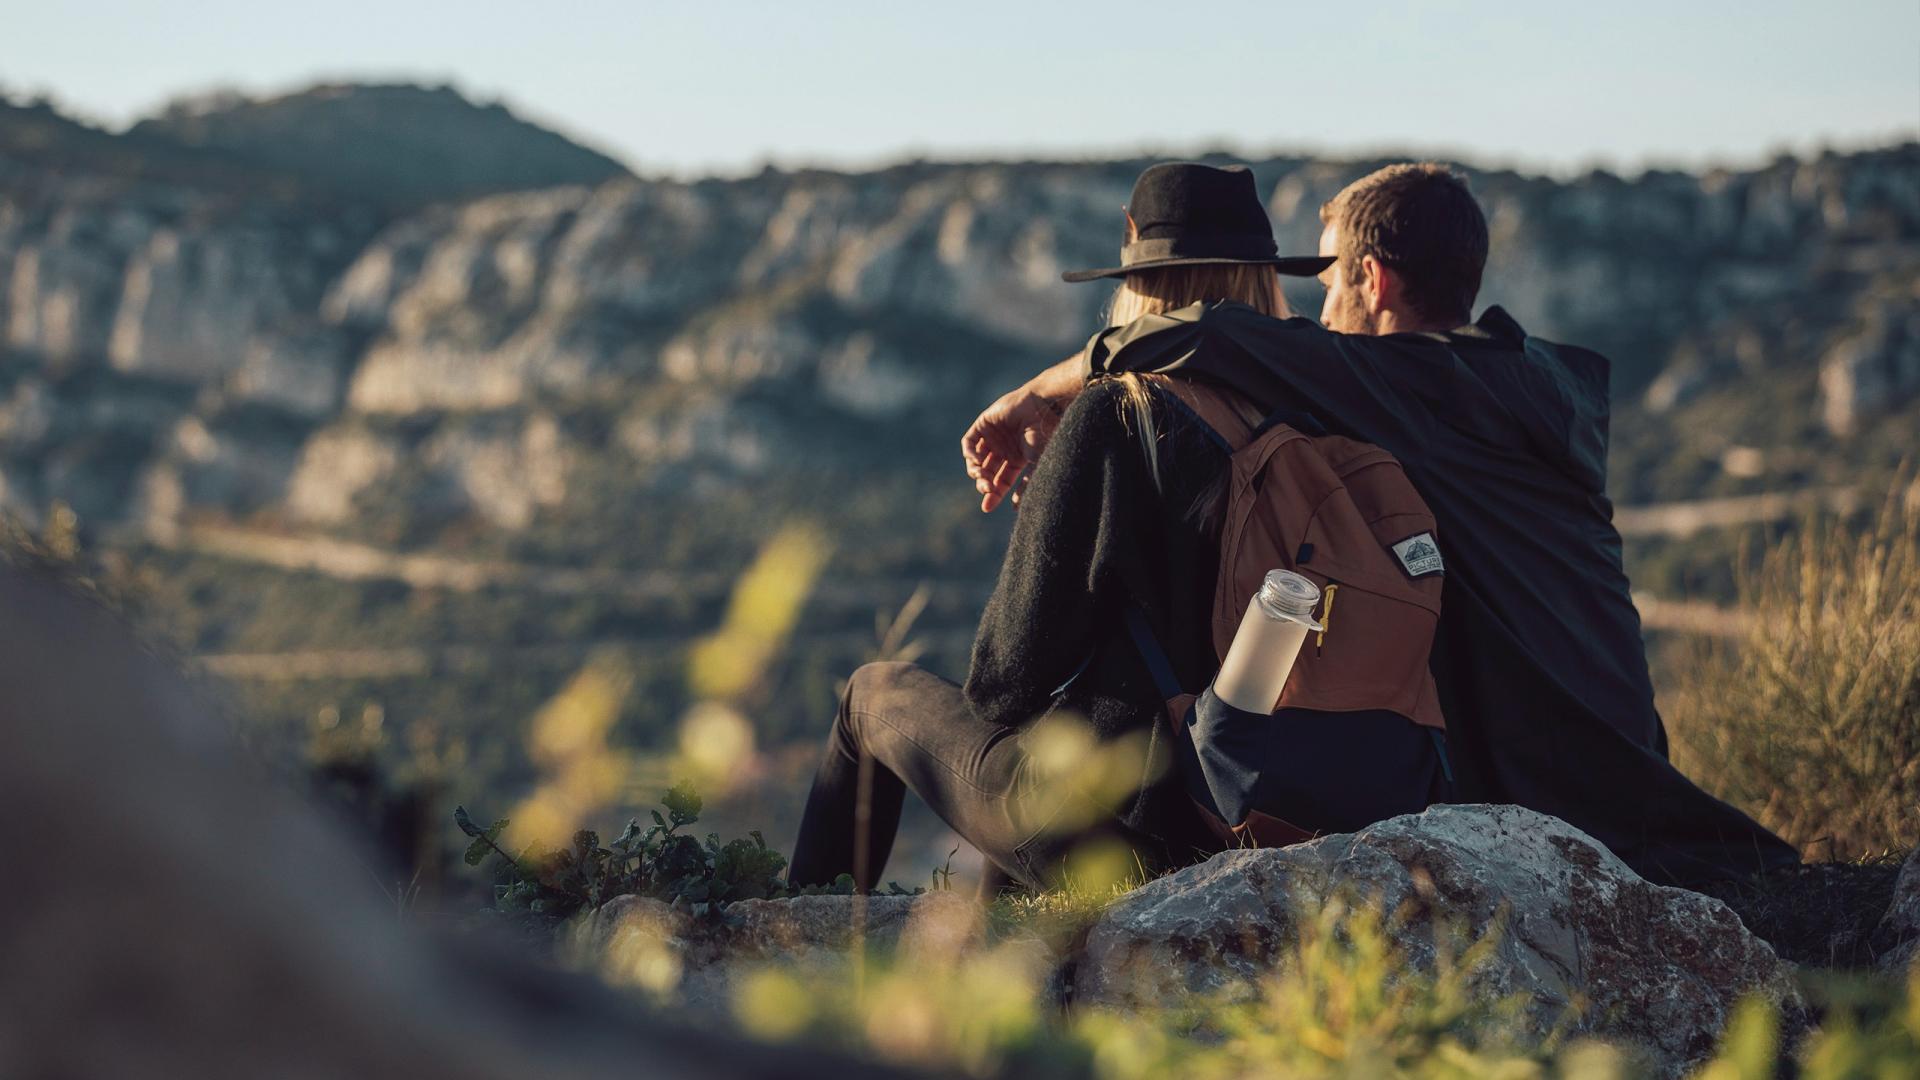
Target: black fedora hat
[(1184, 213)]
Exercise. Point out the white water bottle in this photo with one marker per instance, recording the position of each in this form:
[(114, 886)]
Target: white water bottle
[(1267, 643)]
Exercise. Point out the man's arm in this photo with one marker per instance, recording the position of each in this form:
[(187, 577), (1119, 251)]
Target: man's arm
[(1273, 361), (1006, 438)]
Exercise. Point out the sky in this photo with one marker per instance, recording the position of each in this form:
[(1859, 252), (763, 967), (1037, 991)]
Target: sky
[(692, 88)]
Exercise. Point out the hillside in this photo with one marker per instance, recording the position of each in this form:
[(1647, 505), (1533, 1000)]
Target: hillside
[(397, 144), (240, 344)]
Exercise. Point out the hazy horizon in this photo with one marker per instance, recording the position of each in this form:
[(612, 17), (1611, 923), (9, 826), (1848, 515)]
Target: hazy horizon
[(863, 86)]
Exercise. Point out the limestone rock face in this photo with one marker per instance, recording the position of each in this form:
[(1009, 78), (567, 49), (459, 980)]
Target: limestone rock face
[(1660, 967), (899, 300), (220, 463), (335, 466), (503, 472), (1875, 368)]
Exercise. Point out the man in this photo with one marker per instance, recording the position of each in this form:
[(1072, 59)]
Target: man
[(1539, 662)]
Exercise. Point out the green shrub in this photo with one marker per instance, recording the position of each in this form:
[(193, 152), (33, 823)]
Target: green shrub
[(1811, 720), (656, 860)]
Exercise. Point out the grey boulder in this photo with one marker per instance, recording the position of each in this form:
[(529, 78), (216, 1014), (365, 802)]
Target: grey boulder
[(1657, 967)]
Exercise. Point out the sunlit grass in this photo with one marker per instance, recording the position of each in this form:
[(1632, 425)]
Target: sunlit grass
[(571, 742), (1811, 722), (568, 741), (1345, 1002), (765, 605)]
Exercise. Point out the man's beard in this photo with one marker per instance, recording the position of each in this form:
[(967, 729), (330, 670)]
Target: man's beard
[(1352, 316)]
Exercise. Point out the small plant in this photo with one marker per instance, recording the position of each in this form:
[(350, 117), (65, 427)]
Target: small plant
[(943, 875), (657, 860)]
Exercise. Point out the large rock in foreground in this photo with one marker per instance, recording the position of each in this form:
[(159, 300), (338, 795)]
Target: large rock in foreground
[(704, 961), (1901, 924), (1659, 967)]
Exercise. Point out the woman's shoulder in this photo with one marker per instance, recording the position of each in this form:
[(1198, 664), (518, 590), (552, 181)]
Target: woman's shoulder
[(1115, 391), (1117, 415), (1096, 408)]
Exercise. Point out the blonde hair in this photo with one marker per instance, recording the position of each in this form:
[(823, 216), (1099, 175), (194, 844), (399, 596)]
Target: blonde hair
[(1170, 288)]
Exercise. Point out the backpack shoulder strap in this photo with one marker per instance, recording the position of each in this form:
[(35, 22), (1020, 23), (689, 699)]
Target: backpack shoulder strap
[(1155, 657), (1230, 417)]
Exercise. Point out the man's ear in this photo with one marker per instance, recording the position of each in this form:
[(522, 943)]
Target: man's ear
[(1379, 285)]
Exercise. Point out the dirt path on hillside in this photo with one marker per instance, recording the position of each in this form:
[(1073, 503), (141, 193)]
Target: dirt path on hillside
[(352, 561), (413, 662)]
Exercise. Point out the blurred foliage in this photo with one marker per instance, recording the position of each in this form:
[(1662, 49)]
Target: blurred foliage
[(1346, 1002), (1869, 1029), (1812, 721), (656, 860), (568, 744), (59, 549), (765, 606)]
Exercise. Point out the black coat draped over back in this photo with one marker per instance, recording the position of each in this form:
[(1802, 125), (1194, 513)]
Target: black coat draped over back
[(1539, 661)]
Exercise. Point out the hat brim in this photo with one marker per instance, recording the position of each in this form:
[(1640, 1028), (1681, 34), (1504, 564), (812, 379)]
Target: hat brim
[(1290, 265)]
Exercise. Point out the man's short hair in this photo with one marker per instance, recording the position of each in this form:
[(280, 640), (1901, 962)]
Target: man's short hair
[(1422, 222)]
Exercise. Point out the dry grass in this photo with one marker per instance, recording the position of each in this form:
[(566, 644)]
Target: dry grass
[(1811, 721)]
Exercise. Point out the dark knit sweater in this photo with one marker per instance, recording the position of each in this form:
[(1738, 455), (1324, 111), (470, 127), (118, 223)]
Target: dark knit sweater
[(1094, 533)]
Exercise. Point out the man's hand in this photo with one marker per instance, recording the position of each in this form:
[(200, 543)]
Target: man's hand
[(1012, 432)]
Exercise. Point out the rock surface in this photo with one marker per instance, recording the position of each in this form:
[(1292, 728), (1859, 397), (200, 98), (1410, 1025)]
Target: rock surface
[(641, 941), (1901, 924), (1659, 967), (229, 947)]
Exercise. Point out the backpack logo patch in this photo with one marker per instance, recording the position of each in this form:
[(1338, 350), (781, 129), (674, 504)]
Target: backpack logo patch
[(1419, 555)]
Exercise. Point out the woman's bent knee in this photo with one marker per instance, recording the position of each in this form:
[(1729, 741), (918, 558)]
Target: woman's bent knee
[(879, 675)]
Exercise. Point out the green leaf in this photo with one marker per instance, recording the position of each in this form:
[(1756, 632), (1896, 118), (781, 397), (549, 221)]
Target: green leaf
[(462, 819), (658, 820), (682, 802), (478, 851)]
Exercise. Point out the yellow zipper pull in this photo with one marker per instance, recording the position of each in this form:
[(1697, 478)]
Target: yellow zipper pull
[(1326, 617)]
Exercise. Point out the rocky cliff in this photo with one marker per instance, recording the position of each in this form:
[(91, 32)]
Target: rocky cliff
[(174, 346), (646, 374)]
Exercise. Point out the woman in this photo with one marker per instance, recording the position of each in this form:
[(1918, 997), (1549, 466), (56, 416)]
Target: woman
[(1121, 510)]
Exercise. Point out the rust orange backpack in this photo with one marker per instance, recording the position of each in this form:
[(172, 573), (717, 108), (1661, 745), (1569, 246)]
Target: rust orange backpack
[(1342, 513)]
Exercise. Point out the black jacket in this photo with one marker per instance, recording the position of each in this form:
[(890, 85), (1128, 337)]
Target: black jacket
[(1093, 534), (1539, 661)]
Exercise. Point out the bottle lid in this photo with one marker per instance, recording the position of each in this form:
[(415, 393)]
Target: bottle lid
[(1287, 594)]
